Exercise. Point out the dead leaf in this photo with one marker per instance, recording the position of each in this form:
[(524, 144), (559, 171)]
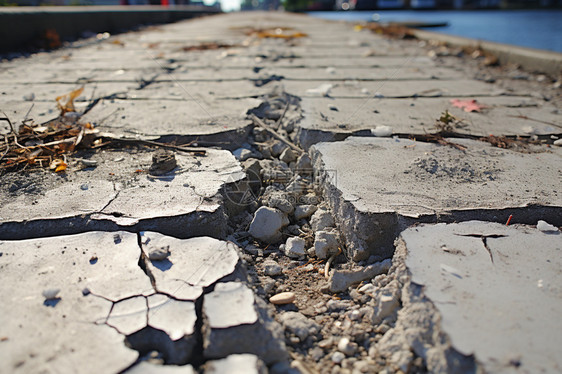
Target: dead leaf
[(468, 105), (58, 165), (65, 103)]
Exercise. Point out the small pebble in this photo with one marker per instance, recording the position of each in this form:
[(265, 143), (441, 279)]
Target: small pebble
[(50, 293), (89, 162), (382, 131), (355, 315), (558, 142), (347, 347), (84, 187), (272, 269), (159, 254), (337, 357), (546, 227), (282, 298)]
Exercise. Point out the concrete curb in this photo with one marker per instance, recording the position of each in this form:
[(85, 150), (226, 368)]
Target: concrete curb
[(535, 60), (27, 24)]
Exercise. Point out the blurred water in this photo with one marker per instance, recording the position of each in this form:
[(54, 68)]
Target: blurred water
[(541, 29)]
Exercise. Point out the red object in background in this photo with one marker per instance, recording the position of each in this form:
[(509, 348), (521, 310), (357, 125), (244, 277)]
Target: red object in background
[(165, 3)]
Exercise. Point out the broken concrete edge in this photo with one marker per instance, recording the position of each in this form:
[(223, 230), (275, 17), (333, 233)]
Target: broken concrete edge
[(228, 140), (418, 331), (27, 24), (197, 223), (371, 236), (534, 60)]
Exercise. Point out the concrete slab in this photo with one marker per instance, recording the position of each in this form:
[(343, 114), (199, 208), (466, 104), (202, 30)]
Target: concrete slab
[(67, 330), (378, 195), (363, 74), (329, 119), (213, 74), (48, 92), (497, 299), (400, 88), (241, 309), (235, 321), (107, 197), (19, 110), (150, 119), (47, 74), (197, 90), (192, 265), (244, 61)]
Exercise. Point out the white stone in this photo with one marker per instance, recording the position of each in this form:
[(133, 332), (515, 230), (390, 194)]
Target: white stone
[(326, 244), (558, 142), (338, 357), (304, 211), (242, 154), (546, 227), (294, 248), (321, 219), (159, 254), (347, 347), (272, 268), (267, 224), (382, 131), (50, 293), (320, 91)]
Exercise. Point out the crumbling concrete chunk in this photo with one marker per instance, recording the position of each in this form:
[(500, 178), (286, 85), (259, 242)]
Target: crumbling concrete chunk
[(272, 268), (304, 211), (267, 224), (242, 154), (388, 301), (321, 220), (469, 326), (237, 364), (280, 201), (294, 247), (233, 323), (299, 325), (341, 280), (326, 244)]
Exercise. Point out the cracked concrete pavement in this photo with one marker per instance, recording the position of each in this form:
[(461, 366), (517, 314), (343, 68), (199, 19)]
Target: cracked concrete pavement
[(404, 260)]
